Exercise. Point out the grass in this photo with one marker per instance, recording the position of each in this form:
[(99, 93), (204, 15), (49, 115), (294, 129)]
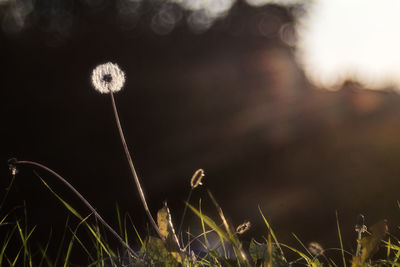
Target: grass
[(169, 248), (89, 238)]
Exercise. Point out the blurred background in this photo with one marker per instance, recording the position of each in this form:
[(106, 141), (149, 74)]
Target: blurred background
[(292, 106)]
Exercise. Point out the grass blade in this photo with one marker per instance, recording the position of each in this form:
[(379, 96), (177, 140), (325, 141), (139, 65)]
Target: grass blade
[(340, 239), (203, 226), (301, 243), (44, 252), (69, 249), (272, 233), (301, 254), (71, 209), (6, 242), (209, 222), (134, 228)]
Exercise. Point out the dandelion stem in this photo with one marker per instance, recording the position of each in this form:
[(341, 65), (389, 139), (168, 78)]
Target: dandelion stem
[(95, 213), (135, 176)]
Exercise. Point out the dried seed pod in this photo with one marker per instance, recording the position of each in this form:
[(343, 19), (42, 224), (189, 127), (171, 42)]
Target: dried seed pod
[(315, 248), (243, 227), (360, 226), (197, 178)]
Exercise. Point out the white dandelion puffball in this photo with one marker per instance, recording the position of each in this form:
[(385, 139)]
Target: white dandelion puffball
[(108, 78)]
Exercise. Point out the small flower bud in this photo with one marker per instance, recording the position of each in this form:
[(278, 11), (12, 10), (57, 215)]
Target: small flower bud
[(12, 166)]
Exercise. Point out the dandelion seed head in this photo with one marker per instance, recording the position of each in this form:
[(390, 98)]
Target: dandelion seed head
[(108, 78), (315, 248)]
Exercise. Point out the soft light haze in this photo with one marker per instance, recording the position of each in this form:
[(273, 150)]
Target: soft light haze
[(351, 39)]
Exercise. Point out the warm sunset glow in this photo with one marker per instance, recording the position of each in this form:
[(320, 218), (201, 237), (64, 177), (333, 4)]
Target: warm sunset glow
[(351, 39)]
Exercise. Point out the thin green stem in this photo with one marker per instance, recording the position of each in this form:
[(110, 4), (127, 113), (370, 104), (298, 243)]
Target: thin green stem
[(358, 250), (133, 171), (90, 207), (340, 239), (8, 188), (184, 211)]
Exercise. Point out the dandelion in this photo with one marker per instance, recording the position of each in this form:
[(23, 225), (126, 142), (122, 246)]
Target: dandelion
[(244, 227), (108, 78), (316, 249)]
